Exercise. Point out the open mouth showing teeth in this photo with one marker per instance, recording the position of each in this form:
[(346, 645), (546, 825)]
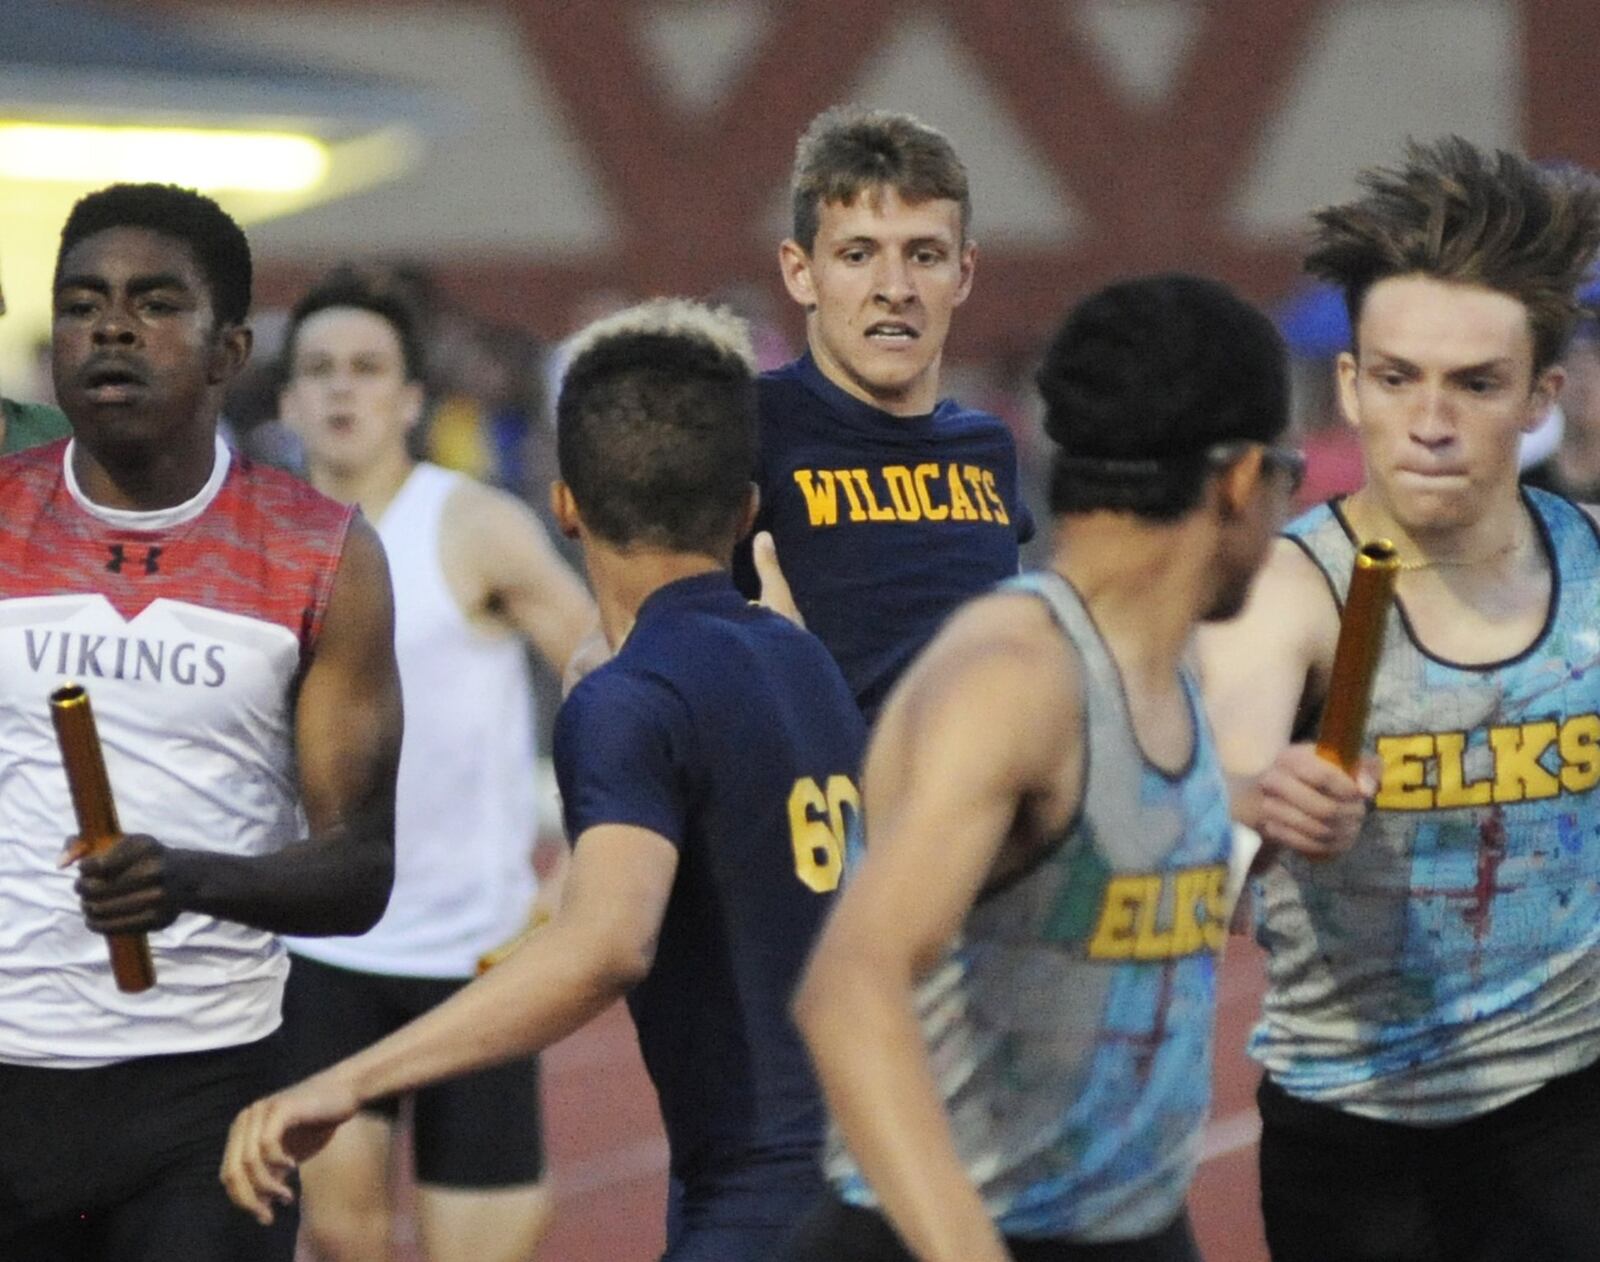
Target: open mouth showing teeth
[(892, 333)]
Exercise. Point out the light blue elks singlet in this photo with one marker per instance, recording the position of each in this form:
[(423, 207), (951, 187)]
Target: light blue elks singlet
[(1069, 1027), (1450, 962)]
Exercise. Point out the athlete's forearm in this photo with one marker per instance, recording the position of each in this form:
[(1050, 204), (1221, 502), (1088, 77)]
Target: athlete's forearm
[(562, 977), (858, 1021), (337, 884)]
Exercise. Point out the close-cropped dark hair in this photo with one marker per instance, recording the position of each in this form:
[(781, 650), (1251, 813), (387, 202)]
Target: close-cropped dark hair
[(217, 242), (1455, 213), (848, 152), (1145, 378), (364, 289), (656, 429)]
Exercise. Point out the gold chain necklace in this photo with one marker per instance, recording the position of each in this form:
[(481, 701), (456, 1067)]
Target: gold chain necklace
[(1445, 563), (1448, 563)]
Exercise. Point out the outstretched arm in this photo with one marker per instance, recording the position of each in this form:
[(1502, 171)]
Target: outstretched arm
[(981, 732), (598, 945), (1263, 673), (525, 582), (347, 746)]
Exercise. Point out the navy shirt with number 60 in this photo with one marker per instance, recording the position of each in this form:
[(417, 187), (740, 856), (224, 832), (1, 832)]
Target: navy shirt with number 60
[(731, 733)]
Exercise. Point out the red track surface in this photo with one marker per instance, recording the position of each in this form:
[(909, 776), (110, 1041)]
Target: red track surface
[(609, 1158)]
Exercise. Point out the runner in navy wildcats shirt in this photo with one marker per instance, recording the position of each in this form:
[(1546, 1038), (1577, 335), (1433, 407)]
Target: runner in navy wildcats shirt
[(1011, 1008), (706, 774), (888, 507)]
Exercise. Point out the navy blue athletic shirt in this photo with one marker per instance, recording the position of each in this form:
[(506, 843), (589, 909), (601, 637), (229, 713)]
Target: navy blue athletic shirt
[(729, 732), (884, 524)]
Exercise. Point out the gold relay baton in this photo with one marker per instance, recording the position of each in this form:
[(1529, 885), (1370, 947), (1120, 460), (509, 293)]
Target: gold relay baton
[(98, 829), (1355, 658)]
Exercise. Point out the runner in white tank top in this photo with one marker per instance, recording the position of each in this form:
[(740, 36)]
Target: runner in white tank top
[(476, 583), (466, 767)]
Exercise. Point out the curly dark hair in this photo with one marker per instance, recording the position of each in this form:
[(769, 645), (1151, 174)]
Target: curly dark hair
[(218, 243), (1144, 381)]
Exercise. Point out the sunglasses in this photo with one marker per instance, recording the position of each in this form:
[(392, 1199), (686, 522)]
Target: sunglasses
[(1285, 460)]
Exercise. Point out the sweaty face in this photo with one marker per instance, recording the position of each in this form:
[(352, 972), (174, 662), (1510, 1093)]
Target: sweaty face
[(1441, 390), (135, 353), (880, 283), (347, 396)]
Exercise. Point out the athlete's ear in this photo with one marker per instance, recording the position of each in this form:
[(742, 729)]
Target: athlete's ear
[(752, 506), (1346, 369), (795, 264), (1546, 390), (412, 401), (564, 508), (230, 351), (1238, 482), (969, 262)]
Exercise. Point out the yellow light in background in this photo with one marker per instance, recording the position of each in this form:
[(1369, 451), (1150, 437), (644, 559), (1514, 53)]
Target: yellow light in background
[(267, 162)]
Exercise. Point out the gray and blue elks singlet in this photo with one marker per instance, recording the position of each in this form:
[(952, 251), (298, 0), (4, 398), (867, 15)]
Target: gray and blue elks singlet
[(1450, 962), (1070, 1025)]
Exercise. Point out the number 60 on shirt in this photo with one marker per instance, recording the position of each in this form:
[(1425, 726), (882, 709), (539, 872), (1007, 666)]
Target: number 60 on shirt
[(818, 827)]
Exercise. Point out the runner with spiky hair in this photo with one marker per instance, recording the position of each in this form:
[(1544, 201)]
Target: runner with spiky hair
[(1431, 1030)]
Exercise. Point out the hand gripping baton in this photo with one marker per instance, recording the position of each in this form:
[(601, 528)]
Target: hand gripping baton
[(97, 818)]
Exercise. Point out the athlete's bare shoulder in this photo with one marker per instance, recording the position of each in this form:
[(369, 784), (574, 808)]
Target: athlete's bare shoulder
[(999, 673), (1290, 573), (1291, 609), (1006, 633), (475, 511)]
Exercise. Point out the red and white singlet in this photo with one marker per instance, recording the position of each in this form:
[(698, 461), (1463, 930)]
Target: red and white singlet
[(190, 628)]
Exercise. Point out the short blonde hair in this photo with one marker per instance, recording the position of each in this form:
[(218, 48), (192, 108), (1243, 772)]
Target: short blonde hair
[(656, 426), (671, 317)]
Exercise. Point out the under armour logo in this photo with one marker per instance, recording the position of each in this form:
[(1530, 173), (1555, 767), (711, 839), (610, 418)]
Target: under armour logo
[(119, 559)]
